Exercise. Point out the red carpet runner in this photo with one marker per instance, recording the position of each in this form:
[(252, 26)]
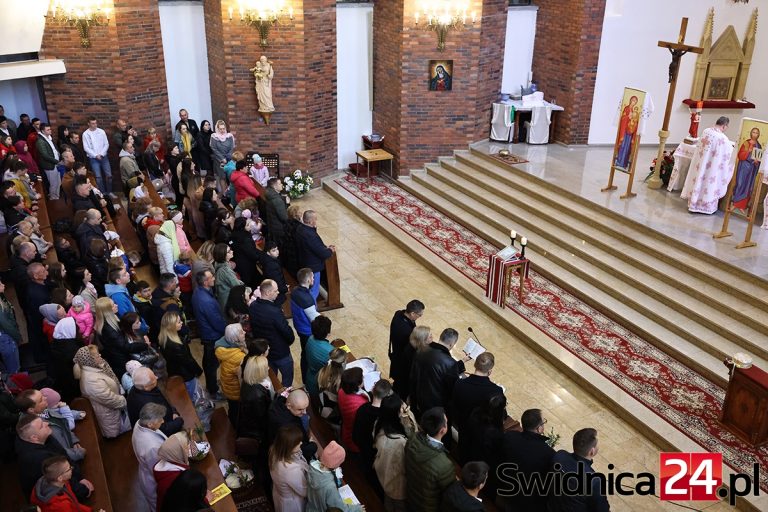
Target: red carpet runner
[(685, 399)]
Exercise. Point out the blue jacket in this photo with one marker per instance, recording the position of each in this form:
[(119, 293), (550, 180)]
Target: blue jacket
[(301, 300), (210, 321), (268, 322), (311, 250), (120, 296)]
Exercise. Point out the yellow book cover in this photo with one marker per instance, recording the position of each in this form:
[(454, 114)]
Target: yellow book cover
[(220, 492)]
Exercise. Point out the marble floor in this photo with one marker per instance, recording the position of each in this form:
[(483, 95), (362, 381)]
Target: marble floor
[(584, 171), (379, 278)]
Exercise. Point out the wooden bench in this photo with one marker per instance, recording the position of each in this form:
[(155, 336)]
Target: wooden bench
[(122, 472), (91, 466), (177, 396)]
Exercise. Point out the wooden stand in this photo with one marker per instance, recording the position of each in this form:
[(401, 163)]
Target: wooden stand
[(633, 162), (332, 285), (751, 211), (745, 410)]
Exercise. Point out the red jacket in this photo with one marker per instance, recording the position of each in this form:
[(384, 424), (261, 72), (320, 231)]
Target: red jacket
[(62, 501), (244, 186), (348, 406), (164, 480)]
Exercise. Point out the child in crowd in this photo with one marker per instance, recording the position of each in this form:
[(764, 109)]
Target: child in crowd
[(142, 300), (81, 312), (324, 480), (127, 380), (61, 409), (259, 171), (183, 270)]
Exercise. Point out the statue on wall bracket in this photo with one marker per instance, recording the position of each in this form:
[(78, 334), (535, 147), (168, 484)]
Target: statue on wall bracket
[(263, 73), (722, 68)]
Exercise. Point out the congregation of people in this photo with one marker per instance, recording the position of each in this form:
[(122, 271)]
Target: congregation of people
[(220, 243)]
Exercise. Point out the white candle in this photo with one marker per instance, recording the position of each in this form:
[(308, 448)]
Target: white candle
[(230, 13), (513, 234), (523, 241)]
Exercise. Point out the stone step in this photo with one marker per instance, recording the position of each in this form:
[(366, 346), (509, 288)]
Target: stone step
[(640, 313), (720, 275), (665, 281)]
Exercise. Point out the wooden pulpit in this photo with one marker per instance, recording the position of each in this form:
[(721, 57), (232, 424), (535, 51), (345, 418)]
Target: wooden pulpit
[(745, 410)]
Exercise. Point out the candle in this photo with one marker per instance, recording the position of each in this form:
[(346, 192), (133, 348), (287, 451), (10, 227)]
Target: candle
[(417, 17), (290, 12), (513, 234), (523, 241), (230, 13), (474, 17)]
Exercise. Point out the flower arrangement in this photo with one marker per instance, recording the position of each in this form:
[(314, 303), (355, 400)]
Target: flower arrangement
[(298, 183), (667, 164), (552, 438), (236, 477)]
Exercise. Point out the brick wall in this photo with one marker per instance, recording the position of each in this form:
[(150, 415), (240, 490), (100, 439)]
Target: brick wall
[(303, 127), (565, 61), (122, 74), (419, 124)]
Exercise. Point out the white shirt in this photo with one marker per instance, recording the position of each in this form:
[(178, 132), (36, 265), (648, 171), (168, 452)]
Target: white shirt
[(95, 142), (49, 140)]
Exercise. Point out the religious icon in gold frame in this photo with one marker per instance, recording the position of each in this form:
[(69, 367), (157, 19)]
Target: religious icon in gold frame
[(719, 88), (751, 143), (627, 136), (440, 75)]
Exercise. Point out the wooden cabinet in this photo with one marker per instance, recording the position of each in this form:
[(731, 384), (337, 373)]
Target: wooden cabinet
[(745, 410)]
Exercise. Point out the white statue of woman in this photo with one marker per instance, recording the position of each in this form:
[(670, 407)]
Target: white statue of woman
[(263, 74)]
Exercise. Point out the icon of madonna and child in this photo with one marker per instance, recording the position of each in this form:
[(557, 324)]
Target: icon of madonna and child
[(627, 137), (748, 162)]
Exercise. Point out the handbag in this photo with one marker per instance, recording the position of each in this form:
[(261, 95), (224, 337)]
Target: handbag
[(147, 358)]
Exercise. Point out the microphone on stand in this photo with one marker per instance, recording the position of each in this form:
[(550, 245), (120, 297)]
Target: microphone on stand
[(473, 334)]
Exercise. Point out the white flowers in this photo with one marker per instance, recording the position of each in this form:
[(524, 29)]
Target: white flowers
[(297, 183), (297, 174)]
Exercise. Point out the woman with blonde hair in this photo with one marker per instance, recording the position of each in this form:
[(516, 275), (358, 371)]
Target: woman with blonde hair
[(100, 385), (178, 358), (329, 382), (222, 146), (115, 344), (421, 337), (204, 260)]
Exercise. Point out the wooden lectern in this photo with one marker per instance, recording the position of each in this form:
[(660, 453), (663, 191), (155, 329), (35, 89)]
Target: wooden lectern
[(745, 410)]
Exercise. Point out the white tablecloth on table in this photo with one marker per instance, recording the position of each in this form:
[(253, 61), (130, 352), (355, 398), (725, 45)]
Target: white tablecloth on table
[(683, 155)]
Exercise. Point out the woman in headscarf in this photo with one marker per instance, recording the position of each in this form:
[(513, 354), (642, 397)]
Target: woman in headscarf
[(202, 151), (230, 351), (22, 151), (52, 313), (167, 247), (100, 385), (222, 146), (174, 458), (66, 342)]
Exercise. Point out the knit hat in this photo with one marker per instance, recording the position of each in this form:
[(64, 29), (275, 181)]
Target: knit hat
[(65, 329), (333, 455), (256, 158), (78, 300), (50, 312), (52, 396), (131, 366)]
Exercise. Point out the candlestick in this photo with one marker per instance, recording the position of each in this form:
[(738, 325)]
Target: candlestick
[(523, 241)]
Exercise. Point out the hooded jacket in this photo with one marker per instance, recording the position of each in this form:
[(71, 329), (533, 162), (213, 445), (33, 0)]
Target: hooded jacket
[(428, 471), (230, 356), (51, 498)]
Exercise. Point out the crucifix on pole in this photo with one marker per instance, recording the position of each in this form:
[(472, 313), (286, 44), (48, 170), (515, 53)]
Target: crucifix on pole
[(677, 50)]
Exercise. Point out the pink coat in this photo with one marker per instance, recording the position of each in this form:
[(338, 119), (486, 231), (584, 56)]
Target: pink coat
[(84, 320)]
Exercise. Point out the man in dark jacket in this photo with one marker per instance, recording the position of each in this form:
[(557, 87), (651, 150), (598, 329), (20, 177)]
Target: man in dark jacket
[(462, 495), (311, 250), (526, 455), (144, 391), (277, 211), (19, 263), (474, 391), (210, 325), (38, 292), (400, 350), (584, 450), (292, 410), (434, 373), (428, 470), (268, 322), (85, 198), (90, 228), (34, 444)]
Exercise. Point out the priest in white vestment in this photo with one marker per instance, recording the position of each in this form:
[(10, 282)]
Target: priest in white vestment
[(711, 170)]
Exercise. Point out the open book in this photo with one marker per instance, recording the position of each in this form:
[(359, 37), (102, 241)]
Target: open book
[(473, 349), (508, 253)]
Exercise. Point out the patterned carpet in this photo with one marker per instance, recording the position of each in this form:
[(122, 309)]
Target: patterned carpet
[(679, 395)]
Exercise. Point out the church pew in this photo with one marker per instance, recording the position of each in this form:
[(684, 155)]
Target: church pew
[(92, 467), (11, 497), (122, 473), (177, 396)]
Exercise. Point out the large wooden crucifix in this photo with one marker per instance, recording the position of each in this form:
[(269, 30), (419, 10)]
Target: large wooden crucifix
[(677, 50)]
